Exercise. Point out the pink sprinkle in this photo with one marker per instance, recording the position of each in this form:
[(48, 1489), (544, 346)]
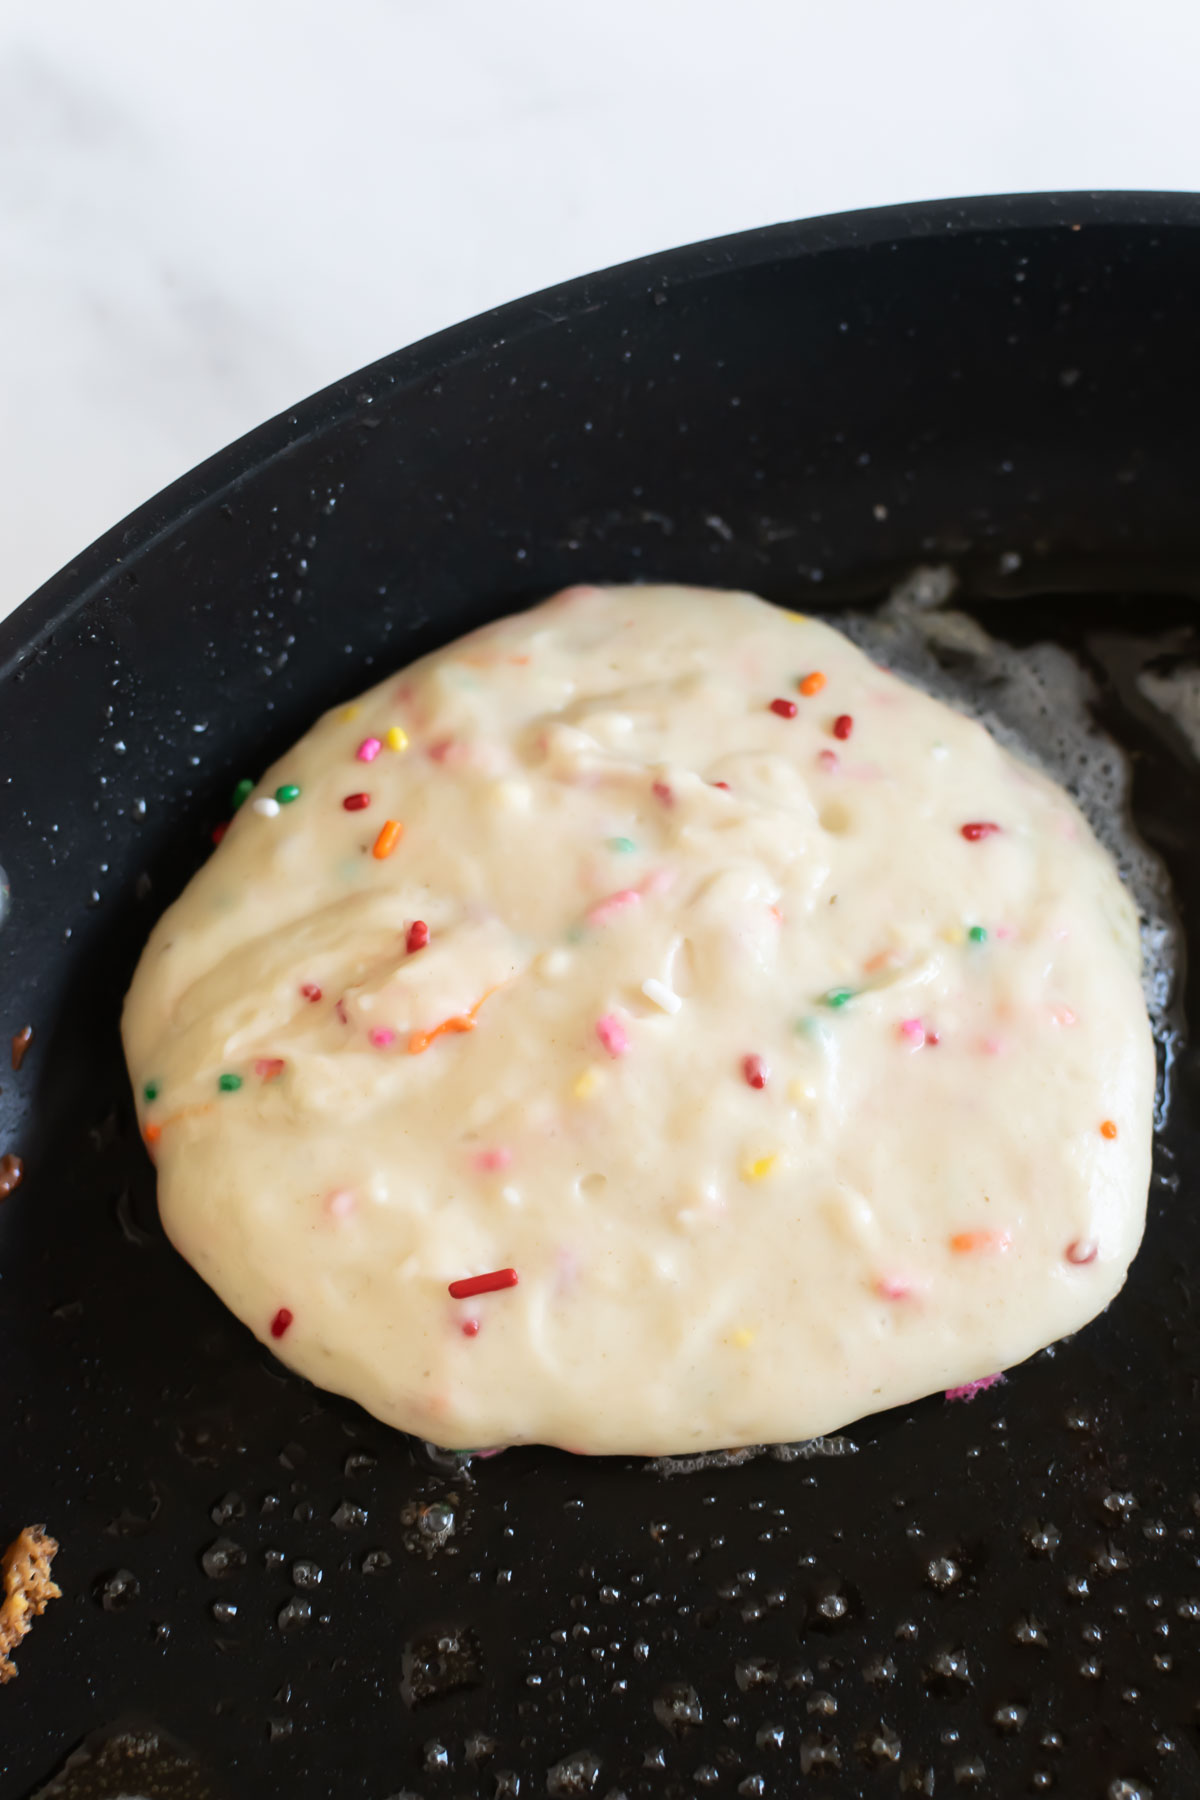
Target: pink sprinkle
[(992, 1046), (893, 1287), (381, 1036), (368, 750), (1004, 932), (483, 1455), (499, 1158), (340, 1010), (755, 1070), (1062, 1015), (470, 1328), (658, 881), (440, 751), (1083, 1250), (662, 791), (339, 1204), (612, 1035), (723, 785), (979, 829), (269, 1068), (969, 1389), (281, 1321), (913, 1032), (828, 760), (310, 991), (607, 909)]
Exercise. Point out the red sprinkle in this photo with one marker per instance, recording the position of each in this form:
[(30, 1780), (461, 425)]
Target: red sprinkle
[(356, 802), (785, 709), (932, 1040), (310, 991), (1082, 1250), (755, 1070), (843, 725), (470, 1327), (662, 791), (418, 936), (483, 1284), (269, 1068), (724, 785), (218, 832), (828, 760), (281, 1321), (981, 828)]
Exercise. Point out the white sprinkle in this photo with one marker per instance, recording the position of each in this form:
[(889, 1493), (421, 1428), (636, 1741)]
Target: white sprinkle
[(661, 995), (267, 808)]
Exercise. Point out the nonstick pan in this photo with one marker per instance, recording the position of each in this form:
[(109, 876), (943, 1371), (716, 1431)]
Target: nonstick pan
[(266, 1592)]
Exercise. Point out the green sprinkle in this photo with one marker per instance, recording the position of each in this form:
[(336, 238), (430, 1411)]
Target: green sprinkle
[(151, 1090), (622, 845), (977, 934), (229, 1084), (242, 793), (837, 996), (287, 793)]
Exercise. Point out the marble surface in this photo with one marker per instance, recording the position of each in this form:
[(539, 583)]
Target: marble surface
[(209, 209)]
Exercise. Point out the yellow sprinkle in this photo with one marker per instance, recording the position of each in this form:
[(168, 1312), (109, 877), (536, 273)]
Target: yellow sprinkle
[(397, 738), (760, 1167), (586, 1084), (954, 934), (800, 618), (350, 712), (742, 1338), (800, 1094)]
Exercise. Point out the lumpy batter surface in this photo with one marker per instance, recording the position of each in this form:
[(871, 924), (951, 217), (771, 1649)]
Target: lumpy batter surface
[(647, 1026)]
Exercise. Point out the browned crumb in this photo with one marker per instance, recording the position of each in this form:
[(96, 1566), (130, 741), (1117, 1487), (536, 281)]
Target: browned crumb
[(20, 1044), (12, 1172), (28, 1590)]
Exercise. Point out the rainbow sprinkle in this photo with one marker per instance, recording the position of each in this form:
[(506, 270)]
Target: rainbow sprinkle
[(483, 1284), (287, 793), (812, 684), (241, 793), (228, 1083), (389, 836), (368, 750), (612, 1035), (397, 738)]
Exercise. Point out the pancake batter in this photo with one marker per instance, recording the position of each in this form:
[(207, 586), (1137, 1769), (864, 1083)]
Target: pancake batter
[(647, 1026)]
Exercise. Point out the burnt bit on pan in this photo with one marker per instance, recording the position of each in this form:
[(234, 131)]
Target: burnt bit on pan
[(28, 1590), (12, 1173), (21, 1041)]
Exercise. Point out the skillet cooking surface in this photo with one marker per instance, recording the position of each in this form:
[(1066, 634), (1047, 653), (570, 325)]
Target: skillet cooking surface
[(990, 1597)]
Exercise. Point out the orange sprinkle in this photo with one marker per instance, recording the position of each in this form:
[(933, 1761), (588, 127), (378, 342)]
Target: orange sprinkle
[(880, 960), (152, 1132), (421, 1040), (812, 684), (966, 1243), (1108, 1129), (390, 834)]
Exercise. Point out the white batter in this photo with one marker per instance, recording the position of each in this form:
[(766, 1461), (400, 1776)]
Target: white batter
[(777, 1047)]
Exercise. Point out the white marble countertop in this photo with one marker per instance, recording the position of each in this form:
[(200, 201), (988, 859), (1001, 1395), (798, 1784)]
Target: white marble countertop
[(209, 208)]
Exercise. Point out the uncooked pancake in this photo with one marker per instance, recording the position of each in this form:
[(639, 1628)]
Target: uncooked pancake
[(647, 1026)]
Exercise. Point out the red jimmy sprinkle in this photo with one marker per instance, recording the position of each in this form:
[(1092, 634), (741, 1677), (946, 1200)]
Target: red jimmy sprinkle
[(356, 802), (310, 991), (786, 709), (478, 1284), (843, 725), (281, 1321), (755, 1071), (981, 828), (418, 936)]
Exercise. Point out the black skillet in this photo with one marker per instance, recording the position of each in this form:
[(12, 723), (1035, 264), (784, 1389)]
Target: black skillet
[(995, 1597)]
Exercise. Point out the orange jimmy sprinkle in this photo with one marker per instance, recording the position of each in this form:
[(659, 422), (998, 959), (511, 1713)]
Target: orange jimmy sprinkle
[(389, 836), (1109, 1128), (421, 1040), (152, 1132), (964, 1242), (812, 684)]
